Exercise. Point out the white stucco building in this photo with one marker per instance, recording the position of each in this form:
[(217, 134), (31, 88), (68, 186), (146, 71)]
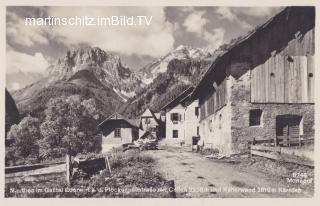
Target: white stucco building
[(182, 119)]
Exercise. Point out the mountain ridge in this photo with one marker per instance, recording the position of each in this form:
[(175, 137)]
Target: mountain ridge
[(99, 74)]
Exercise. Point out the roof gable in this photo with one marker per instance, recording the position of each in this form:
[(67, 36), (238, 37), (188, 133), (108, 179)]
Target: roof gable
[(179, 106), (117, 116), (184, 96), (147, 113), (150, 114)]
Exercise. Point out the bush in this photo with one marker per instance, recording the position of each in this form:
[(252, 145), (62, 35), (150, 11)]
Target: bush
[(25, 136)]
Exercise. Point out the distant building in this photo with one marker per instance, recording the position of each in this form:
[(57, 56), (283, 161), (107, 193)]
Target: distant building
[(182, 118), (153, 123), (118, 130), (263, 86)]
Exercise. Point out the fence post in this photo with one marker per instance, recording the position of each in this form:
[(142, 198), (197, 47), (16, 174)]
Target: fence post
[(108, 164), (172, 189), (68, 169)]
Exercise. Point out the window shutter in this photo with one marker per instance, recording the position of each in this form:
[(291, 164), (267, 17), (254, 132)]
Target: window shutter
[(179, 117), (171, 116)]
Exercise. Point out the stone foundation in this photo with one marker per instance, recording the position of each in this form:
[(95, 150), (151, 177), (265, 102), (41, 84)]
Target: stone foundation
[(241, 105)]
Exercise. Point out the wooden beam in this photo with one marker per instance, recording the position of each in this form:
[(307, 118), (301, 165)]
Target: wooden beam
[(68, 169), (298, 161), (274, 156), (108, 164), (264, 154), (265, 148)]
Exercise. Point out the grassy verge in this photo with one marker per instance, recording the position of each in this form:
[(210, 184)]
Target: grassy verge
[(132, 175)]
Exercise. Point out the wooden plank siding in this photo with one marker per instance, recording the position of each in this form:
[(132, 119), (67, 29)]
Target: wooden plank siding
[(283, 79), (288, 76), (214, 101), (310, 84)]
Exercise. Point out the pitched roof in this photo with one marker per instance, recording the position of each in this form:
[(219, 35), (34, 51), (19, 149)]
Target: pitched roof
[(117, 116), (208, 74), (182, 97)]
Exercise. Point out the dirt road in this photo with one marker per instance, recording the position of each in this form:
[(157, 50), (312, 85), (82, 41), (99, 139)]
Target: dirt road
[(196, 176)]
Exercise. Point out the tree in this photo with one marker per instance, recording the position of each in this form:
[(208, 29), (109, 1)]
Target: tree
[(69, 127), (24, 136), (12, 113)]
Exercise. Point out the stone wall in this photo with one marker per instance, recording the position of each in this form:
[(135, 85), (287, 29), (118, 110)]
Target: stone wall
[(241, 105)]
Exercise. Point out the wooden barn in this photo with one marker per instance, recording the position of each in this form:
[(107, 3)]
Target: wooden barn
[(116, 131), (262, 87)]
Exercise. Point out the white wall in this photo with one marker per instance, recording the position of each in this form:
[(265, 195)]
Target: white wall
[(215, 130), (191, 122), (170, 126), (110, 141), (187, 127)]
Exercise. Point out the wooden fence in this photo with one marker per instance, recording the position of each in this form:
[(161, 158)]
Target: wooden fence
[(286, 154), (288, 141), (22, 168)]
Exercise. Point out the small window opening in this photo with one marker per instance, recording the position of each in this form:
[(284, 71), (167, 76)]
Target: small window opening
[(290, 59), (255, 117), (175, 117), (117, 132), (196, 111), (147, 121), (220, 121), (175, 133)]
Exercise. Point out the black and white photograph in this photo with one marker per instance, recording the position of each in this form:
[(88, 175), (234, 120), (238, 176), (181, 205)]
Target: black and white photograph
[(159, 101)]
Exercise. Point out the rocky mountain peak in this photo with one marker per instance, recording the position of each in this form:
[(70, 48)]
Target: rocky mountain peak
[(104, 66), (181, 58), (86, 58)]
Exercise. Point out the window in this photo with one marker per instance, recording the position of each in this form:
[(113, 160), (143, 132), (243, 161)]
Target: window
[(198, 131), (175, 117), (255, 117), (117, 132), (196, 111), (220, 121), (175, 133), (147, 121)]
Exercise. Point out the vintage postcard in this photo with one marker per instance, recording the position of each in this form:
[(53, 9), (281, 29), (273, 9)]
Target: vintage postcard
[(168, 101)]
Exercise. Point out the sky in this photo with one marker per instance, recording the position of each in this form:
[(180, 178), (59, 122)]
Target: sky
[(34, 48)]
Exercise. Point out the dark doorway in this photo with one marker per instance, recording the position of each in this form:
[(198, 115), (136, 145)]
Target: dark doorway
[(288, 129)]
